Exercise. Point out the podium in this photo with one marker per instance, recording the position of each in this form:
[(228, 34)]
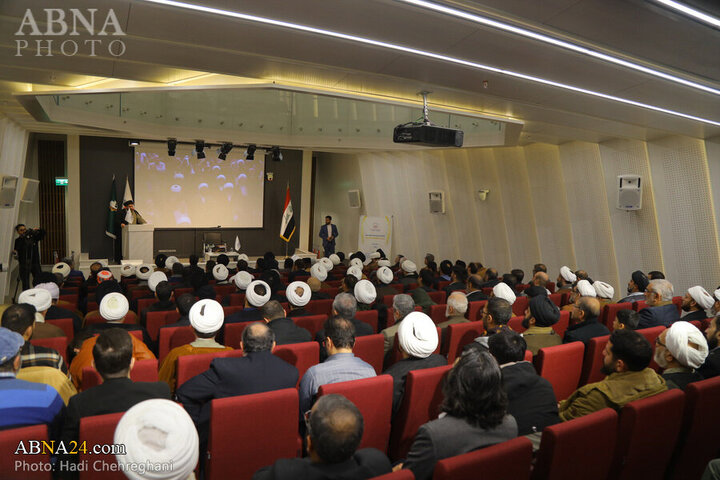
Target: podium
[(137, 242)]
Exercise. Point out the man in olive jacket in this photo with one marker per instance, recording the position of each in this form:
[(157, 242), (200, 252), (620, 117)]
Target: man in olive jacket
[(625, 362)]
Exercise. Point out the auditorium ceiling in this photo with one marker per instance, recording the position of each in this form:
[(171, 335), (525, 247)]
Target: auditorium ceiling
[(652, 72)]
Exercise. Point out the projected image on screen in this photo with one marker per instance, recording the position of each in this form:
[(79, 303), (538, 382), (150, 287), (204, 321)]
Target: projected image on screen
[(184, 191)]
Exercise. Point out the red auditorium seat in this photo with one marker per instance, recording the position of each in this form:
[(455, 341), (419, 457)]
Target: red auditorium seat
[(167, 334), (580, 448), (9, 442), (142, 371), (505, 461), (320, 307), (562, 324), (190, 365), (565, 299), (420, 404), (233, 333), (144, 303), (371, 349), (59, 344), (370, 317), (92, 305), (437, 313), (647, 436), (399, 287), (515, 324), (528, 356), (398, 475), (153, 322), (410, 287), (70, 298), (677, 301), (224, 289), (556, 298), (561, 366), (396, 355), (99, 430), (301, 355), (388, 300), (593, 360), (698, 441), (637, 306), (267, 421), (137, 293), (442, 284), (229, 310), (520, 305), (459, 335), (311, 323), (330, 292), (474, 310), (373, 397), (551, 286), (181, 291), (609, 313), (438, 297), (237, 299)]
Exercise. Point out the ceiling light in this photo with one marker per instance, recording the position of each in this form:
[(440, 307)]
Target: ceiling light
[(172, 144), (276, 154), (691, 12), (224, 150), (133, 143), (437, 56), (250, 152), (199, 147)]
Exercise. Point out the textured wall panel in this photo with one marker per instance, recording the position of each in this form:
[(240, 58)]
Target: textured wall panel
[(684, 207), (712, 148)]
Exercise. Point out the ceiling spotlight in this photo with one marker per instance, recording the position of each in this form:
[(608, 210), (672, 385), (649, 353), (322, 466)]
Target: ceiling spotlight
[(276, 154), (172, 144), (199, 147), (250, 152), (133, 143), (224, 150)]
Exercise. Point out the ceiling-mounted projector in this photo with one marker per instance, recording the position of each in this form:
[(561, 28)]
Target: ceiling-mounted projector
[(427, 134)]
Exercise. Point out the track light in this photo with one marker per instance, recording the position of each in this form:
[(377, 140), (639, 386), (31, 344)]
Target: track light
[(224, 150), (250, 152), (133, 143), (199, 147), (172, 144), (276, 154)]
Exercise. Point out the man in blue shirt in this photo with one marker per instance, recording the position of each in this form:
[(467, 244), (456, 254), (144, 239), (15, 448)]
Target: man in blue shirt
[(24, 403)]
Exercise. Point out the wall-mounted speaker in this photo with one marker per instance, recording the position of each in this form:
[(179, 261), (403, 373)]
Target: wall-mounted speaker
[(29, 190), (354, 198), (629, 194), (437, 201), (8, 187)]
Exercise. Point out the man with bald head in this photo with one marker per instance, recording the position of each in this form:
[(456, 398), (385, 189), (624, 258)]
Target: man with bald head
[(584, 323), (474, 289), (538, 285)]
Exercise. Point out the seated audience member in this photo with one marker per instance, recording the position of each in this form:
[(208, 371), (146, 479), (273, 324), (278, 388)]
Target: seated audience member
[(384, 278), (539, 267), (154, 431), (298, 271), (495, 315), (474, 268), (55, 312), (272, 278), (636, 288), (113, 308), (143, 272), (583, 275), (163, 293), (318, 271), (457, 306), (715, 309), (680, 350), (420, 294), (660, 309), (474, 292), (113, 358), (206, 318), (315, 287), (409, 273), (584, 321), (402, 305), (353, 276), (49, 376), (20, 319), (92, 278), (475, 407), (531, 399), (540, 316), (695, 302), (604, 293), (220, 274), (518, 274), (538, 285), (285, 329), (418, 338), (365, 294), (127, 273), (503, 290), (288, 264), (41, 301), (183, 304), (257, 294), (490, 279), (429, 257), (625, 362), (582, 289), (21, 402), (209, 265), (656, 275), (344, 306), (178, 274), (711, 367), (458, 280), (298, 295), (446, 270), (511, 281), (334, 430), (256, 372), (565, 280), (340, 366), (241, 280), (626, 319)]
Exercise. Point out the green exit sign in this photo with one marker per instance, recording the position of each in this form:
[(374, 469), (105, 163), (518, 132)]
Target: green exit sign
[(61, 182)]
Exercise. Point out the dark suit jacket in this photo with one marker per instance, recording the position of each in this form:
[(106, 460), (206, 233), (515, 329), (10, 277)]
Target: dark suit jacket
[(454, 286), (663, 315), (55, 312), (287, 332), (409, 279), (531, 399), (323, 234), (476, 296), (365, 463), (696, 315), (400, 370), (584, 331), (246, 315), (711, 367), (298, 312)]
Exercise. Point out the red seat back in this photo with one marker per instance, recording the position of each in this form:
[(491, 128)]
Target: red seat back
[(647, 436), (59, 344), (136, 293), (311, 323), (71, 298), (66, 325), (224, 289), (609, 313), (438, 297), (99, 430), (520, 305), (580, 448), (437, 313), (301, 355), (269, 421), (237, 299), (368, 316), (459, 335), (650, 335), (561, 365), (551, 286), (562, 324), (677, 301), (593, 360), (399, 287), (420, 404), (144, 303), (190, 365), (637, 306), (166, 335), (371, 349), (443, 283), (505, 461), (233, 333), (388, 300), (330, 292), (556, 298), (474, 310), (320, 307), (402, 474), (153, 322), (142, 371), (373, 397), (10, 441)]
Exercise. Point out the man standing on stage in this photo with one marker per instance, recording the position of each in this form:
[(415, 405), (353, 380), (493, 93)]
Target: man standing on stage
[(27, 253), (328, 233), (127, 216)]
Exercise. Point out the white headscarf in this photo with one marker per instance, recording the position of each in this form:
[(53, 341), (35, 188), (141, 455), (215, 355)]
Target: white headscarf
[(409, 266), (170, 261), (37, 297), (701, 297), (503, 290), (52, 288), (144, 275), (253, 298), (417, 335), (327, 263), (677, 338), (318, 271), (603, 290), (356, 262), (385, 275), (114, 306), (334, 259), (157, 431), (355, 271), (220, 272), (156, 278), (585, 289), (206, 316), (365, 292), (242, 279), (127, 270), (61, 268), (567, 274), (294, 298), (384, 263)]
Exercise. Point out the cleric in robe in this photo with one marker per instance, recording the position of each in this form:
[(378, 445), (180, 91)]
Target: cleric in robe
[(127, 216)]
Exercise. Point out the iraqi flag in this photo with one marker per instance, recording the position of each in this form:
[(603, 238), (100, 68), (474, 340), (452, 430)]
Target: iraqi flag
[(287, 227)]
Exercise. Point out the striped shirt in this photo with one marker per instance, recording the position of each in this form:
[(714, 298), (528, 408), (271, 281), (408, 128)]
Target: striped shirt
[(340, 367), (35, 356), (27, 403)]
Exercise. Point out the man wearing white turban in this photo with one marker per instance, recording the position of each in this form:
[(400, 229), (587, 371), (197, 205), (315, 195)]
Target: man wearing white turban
[(565, 280), (220, 274), (581, 289), (503, 290), (143, 273), (41, 300), (695, 304), (355, 271), (418, 339), (286, 331), (62, 268), (334, 259), (318, 271), (365, 294), (384, 278), (605, 292), (409, 272), (206, 318), (257, 294), (160, 433), (127, 270), (679, 350), (298, 295)]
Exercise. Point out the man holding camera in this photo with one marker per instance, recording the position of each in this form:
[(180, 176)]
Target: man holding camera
[(27, 253)]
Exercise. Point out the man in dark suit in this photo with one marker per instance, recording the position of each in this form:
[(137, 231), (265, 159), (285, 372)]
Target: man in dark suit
[(256, 372), (284, 328), (695, 303), (660, 309), (474, 292), (334, 431), (459, 280), (328, 233), (584, 321)]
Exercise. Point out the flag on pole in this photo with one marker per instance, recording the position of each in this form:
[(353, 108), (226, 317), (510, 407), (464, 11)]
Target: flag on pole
[(237, 243), (287, 227), (112, 211), (128, 196)]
